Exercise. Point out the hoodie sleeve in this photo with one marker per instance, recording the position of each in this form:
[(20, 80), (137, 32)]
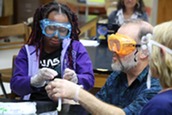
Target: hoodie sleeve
[(20, 81), (84, 68)]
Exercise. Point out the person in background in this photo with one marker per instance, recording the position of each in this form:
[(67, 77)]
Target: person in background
[(127, 9), (53, 51), (125, 91), (161, 67)]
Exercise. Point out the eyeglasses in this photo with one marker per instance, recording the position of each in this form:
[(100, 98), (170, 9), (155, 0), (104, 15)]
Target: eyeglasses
[(121, 44), (52, 28)]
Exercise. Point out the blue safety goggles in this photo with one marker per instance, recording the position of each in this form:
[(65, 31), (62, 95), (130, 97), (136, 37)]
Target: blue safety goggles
[(52, 28)]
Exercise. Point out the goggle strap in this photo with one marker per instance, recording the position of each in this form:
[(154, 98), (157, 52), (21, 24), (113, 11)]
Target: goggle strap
[(161, 46), (136, 52), (137, 45)]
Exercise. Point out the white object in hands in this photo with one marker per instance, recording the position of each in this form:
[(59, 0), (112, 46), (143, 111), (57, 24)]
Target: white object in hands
[(59, 104), (70, 75), (43, 75), (75, 98)]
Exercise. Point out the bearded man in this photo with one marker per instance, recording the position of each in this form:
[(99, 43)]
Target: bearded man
[(126, 87)]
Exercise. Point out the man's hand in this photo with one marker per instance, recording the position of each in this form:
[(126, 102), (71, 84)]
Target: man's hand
[(62, 88)]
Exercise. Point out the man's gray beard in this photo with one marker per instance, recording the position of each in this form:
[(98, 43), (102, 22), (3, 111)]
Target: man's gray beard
[(126, 64)]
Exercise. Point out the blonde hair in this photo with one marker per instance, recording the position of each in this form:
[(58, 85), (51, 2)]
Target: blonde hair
[(161, 61)]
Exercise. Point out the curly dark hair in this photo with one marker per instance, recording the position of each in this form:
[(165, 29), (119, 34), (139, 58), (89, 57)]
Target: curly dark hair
[(36, 36), (140, 6)]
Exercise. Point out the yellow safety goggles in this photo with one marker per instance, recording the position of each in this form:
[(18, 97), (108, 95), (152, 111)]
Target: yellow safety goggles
[(121, 44)]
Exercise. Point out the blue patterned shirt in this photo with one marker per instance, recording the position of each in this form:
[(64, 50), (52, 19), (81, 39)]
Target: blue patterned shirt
[(131, 98)]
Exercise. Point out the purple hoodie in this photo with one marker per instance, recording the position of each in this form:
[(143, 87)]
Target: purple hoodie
[(27, 65)]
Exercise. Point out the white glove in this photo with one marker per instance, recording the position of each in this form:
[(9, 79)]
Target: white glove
[(43, 75), (70, 75)]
